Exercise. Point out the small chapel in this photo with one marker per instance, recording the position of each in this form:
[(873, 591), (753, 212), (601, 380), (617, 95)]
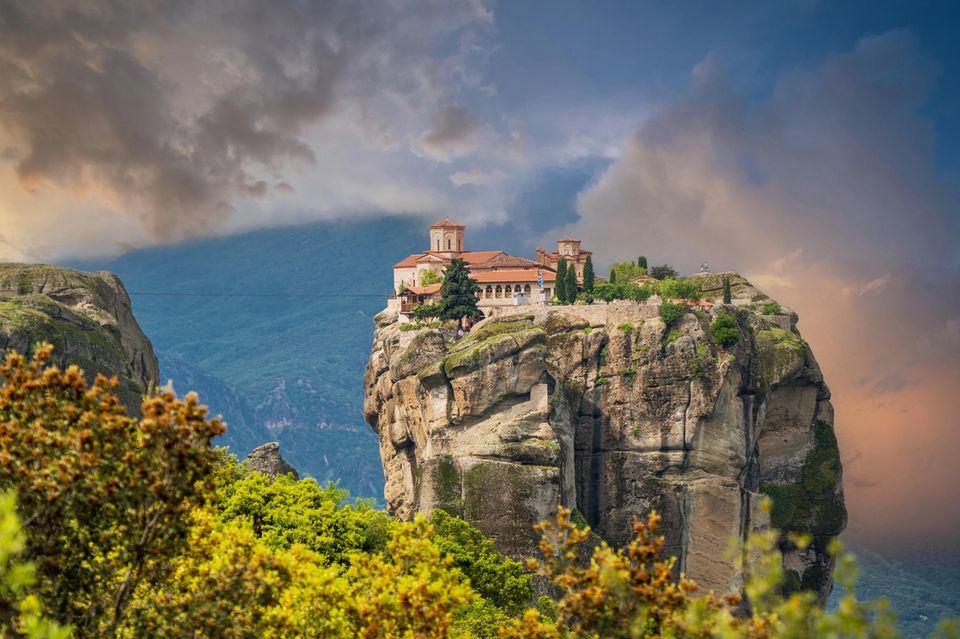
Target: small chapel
[(503, 280)]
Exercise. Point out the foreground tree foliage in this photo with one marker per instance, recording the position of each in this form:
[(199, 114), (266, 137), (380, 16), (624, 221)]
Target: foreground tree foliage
[(138, 528), (19, 607), (104, 498), (632, 592)]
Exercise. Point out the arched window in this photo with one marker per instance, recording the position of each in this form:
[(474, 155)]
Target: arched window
[(499, 291), (526, 288), (489, 292), (438, 243), (508, 291), (459, 245), (449, 243)]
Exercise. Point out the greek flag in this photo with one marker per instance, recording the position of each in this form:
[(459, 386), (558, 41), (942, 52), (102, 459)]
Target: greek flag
[(540, 278)]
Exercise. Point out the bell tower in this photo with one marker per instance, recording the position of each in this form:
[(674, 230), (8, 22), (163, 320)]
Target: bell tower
[(446, 236)]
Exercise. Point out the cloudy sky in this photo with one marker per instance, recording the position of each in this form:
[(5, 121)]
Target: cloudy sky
[(814, 146)]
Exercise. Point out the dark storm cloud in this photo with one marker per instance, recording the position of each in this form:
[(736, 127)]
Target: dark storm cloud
[(176, 109), (451, 134)]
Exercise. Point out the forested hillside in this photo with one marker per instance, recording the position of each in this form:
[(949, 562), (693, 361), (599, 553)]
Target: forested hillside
[(272, 328)]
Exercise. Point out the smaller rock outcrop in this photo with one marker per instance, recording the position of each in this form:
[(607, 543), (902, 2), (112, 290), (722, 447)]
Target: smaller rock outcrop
[(88, 319), (267, 460)]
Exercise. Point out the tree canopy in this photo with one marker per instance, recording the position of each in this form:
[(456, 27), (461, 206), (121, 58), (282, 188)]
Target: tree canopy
[(430, 276), (663, 271), (73, 455), (458, 293), (560, 287), (570, 285), (589, 278), (626, 272)]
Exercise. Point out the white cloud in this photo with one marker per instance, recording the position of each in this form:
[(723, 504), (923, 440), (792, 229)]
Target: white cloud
[(477, 177)]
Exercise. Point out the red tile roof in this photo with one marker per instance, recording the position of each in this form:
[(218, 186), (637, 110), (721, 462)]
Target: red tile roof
[(508, 277), (447, 223), (697, 304), (408, 262), (509, 261), (473, 258), (568, 239), (429, 289)]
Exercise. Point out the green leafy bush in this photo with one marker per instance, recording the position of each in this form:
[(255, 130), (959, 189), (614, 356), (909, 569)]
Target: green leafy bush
[(430, 276), (498, 579), (427, 311), (670, 313), (771, 308), (724, 330), (626, 272), (663, 271), (673, 289), (610, 291)]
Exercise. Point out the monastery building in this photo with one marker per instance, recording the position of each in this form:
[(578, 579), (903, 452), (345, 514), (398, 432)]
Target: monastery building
[(503, 280)]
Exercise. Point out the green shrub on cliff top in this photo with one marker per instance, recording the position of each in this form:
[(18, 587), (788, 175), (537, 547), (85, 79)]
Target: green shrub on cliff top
[(670, 313), (724, 330)]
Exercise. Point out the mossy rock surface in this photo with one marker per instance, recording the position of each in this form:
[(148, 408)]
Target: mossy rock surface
[(446, 478), (781, 352), (87, 319), (490, 343), (558, 322), (814, 504)]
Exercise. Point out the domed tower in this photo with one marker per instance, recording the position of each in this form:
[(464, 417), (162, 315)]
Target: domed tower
[(446, 236)]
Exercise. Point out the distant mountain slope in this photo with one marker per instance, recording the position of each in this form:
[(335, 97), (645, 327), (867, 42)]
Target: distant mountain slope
[(273, 329), (922, 585)]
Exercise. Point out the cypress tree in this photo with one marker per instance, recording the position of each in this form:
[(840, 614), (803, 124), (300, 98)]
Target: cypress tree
[(613, 276), (588, 276), (642, 262), (570, 290), (561, 284), (727, 294), (458, 293)]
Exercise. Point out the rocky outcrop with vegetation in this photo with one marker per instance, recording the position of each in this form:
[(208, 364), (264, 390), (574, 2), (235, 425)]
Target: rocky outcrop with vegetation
[(611, 411), (86, 316), (267, 459)]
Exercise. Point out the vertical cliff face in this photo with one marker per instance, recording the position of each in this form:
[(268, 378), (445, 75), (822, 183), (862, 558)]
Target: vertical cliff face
[(607, 410), (86, 316)]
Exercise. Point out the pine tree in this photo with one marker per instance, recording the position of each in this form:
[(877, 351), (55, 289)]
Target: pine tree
[(570, 289), (458, 293), (642, 262), (727, 294), (588, 276), (561, 285)]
